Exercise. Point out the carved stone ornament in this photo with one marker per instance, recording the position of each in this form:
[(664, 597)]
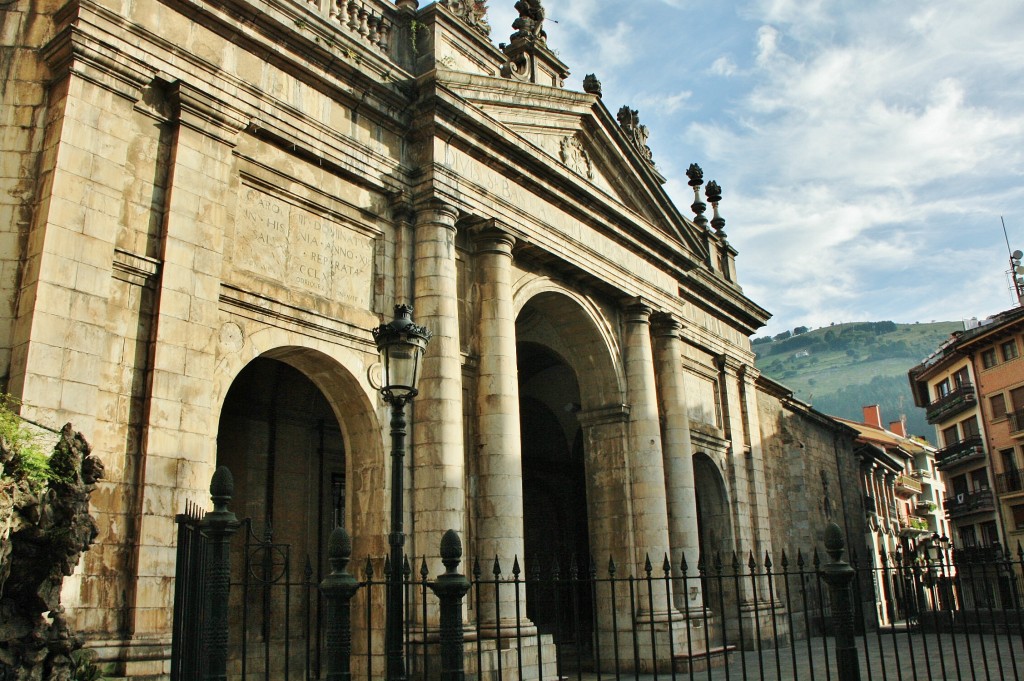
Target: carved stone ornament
[(473, 12), (591, 85), (637, 134), (530, 24), (575, 157)]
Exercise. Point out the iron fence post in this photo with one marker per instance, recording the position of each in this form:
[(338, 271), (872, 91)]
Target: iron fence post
[(338, 589), (839, 575), (219, 525), (450, 588)]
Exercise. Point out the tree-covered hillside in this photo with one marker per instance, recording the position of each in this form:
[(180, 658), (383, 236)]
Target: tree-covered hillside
[(841, 368)]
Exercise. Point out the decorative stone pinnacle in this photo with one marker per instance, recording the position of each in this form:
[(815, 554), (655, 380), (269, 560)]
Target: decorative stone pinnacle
[(473, 12), (530, 24), (695, 174), (713, 192), (591, 85), (637, 134)]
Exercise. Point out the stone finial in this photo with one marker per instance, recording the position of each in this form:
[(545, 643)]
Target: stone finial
[(695, 174), (473, 12), (714, 194), (637, 134), (698, 207), (834, 543), (530, 24), (591, 85)]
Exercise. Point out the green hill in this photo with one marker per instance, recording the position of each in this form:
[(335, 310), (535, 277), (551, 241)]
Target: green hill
[(840, 368)]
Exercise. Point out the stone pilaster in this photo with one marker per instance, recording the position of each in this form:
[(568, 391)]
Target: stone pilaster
[(438, 461), (677, 449), (179, 441), (646, 463), (759, 513), (739, 482), (499, 447)]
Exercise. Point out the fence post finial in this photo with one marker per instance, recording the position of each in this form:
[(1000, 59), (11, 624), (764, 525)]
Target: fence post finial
[(839, 574), (219, 525), (450, 589), (338, 589)]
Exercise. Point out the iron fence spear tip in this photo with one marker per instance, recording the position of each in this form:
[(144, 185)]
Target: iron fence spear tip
[(666, 566)]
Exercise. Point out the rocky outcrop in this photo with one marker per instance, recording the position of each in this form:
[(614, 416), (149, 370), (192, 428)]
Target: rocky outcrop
[(44, 529)]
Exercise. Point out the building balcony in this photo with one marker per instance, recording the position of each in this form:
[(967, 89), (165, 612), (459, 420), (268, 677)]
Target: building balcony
[(907, 486), (1010, 481), (971, 502), (922, 474), (966, 450), (952, 403), (977, 555), (924, 509), (1016, 419)]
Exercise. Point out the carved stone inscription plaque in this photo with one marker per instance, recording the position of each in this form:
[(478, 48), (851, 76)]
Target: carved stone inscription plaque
[(302, 250)]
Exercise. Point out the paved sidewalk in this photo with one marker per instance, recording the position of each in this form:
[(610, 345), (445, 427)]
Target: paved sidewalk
[(885, 656)]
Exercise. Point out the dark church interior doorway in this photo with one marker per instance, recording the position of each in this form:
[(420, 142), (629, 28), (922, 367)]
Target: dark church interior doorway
[(554, 495), (714, 529), (281, 440)]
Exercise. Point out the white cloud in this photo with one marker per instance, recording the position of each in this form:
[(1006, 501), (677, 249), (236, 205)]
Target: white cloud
[(723, 66)]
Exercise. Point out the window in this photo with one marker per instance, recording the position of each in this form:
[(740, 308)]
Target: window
[(1009, 459), (959, 485), (967, 536), (997, 406), (942, 388), (969, 427), (988, 358), (961, 377), (1018, 516), (1017, 398), (980, 479), (989, 533), (950, 436), (1009, 349)]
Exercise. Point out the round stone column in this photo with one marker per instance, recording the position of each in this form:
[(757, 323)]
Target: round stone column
[(681, 492), (499, 448), (438, 461), (646, 463)]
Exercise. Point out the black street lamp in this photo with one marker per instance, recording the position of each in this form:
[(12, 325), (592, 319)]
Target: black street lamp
[(400, 344)]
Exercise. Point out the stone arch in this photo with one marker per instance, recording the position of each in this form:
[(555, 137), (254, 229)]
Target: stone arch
[(575, 328), (339, 373), (714, 523)]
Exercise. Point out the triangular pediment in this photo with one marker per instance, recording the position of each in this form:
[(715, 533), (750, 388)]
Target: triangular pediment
[(580, 137)]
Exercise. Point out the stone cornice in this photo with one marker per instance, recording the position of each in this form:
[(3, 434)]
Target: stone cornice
[(200, 111), (73, 51), (602, 416)]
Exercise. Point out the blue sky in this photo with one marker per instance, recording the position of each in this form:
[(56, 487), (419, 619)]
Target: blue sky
[(866, 148)]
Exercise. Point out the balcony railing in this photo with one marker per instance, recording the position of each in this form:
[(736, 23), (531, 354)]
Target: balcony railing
[(1016, 422), (1010, 481), (971, 502), (961, 398), (907, 486), (966, 450)]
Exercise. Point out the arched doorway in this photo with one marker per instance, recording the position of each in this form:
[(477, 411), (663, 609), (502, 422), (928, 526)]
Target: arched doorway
[(714, 528), (554, 494), (283, 444)]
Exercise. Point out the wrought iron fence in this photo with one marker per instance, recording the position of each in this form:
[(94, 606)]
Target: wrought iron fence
[(903, 616)]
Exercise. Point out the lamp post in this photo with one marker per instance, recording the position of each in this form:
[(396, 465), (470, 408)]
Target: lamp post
[(400, 344)]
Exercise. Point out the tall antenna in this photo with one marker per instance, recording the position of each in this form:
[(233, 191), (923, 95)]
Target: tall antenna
[(1016, 269)]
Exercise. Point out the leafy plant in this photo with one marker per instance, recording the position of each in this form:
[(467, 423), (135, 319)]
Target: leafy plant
[(28, 459), (84, 667)]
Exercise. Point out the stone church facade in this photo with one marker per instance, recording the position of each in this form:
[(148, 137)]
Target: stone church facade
[(207, 206)]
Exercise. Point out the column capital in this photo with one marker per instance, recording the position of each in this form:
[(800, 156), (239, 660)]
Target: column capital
[(748, 373), (666, 324), (638, 310), (612, 413), (490, 236), (436, 211), (729, 364)]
